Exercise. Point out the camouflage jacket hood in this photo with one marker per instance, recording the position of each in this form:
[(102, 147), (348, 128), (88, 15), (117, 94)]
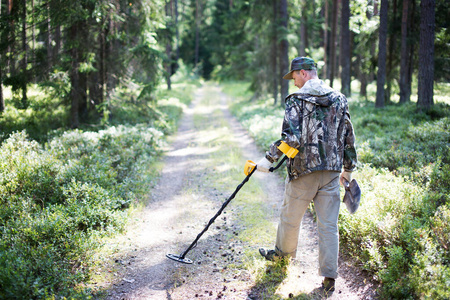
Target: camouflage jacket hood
[(317, 123)]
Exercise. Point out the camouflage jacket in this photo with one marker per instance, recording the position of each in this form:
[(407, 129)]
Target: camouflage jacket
[(317, 123)]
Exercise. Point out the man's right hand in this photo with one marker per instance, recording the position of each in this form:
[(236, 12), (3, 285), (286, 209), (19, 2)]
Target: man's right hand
[(263, 165)]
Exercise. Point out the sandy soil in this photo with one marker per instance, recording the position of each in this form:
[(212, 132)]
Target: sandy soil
[(178, 209)]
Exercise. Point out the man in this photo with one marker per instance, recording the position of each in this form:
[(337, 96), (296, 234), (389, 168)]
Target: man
[(317, 123)]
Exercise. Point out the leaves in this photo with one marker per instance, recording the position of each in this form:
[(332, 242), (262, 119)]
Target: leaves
[(58, 199)]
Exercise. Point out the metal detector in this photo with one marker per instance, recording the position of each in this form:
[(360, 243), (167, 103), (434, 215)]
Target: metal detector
[(249, 169)]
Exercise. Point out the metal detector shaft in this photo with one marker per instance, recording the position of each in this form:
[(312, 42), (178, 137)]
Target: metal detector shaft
[(182, 258)]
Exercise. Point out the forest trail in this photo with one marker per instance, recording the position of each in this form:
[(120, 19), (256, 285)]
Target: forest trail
[(181, 204)]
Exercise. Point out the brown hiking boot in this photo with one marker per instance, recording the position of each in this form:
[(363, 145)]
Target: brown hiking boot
[(328, 285)]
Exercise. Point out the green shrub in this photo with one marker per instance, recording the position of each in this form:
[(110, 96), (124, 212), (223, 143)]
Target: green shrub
[(113, 158), (430, 273), (28, 171), (57, 200), (62, 190), (44, 114), (441, 231), (440, 179), (161, 111), (41, 252), (395, 283)]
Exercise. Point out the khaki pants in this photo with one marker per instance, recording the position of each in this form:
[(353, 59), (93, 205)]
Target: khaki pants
[(322, 187)]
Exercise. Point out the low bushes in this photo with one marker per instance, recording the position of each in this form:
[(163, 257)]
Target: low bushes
[(59, 198), (401, 231), (393, 235)]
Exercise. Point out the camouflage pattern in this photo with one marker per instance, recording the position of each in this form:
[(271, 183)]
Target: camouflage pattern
[(300, 63), (317, 123)]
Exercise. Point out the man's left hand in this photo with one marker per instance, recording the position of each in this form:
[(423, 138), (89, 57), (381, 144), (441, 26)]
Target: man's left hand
[(347, 176)]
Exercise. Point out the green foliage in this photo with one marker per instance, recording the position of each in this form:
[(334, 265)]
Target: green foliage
[(400, 138), (43, 114), (57, 200), (401, 231), (441, 230), (160, 110), (60, 195), (442, 42)]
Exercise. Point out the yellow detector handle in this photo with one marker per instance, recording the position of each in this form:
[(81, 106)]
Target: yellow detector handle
[(287, 150), (249, 166)]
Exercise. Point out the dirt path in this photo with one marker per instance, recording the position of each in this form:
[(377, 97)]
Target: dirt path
[(178, 209)]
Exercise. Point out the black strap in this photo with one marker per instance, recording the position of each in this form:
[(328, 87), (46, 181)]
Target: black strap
[(279, 164)]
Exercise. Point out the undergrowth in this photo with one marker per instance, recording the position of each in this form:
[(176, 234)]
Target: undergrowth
[(62, 191), (401, 231)]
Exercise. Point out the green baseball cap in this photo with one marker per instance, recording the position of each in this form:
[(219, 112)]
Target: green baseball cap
[(301, 63)]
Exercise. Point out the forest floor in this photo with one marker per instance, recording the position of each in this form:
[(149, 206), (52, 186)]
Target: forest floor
[(182, 203)]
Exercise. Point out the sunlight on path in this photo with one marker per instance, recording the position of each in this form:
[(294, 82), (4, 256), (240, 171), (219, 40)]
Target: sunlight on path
[(181, 204)]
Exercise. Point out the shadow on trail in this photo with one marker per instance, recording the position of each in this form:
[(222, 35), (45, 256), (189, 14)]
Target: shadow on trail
[(272, 277)]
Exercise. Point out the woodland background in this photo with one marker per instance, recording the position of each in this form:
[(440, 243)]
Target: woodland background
[(89, 89), (83, 50)]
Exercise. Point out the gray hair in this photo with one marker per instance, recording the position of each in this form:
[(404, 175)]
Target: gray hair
[(312, 73)]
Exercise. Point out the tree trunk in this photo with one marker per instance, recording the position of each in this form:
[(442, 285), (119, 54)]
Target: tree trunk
[(110, 82), (412, 44), (168, 63), (362, 79), (405, 82), (49, 40), (33, 36), (177, 33), (57, 39), (197, 32), (102, 63), (392, 46), (83, 101), (426, 54), (96, 80), (2, 100), (274, 54), (2, 42), (11, 40), (381, 74), (284, 55), (74, 74), (345, 49), (338, 39), (25, 56), (303, 30), (333, 42), (94, 91), (325, 41), (373, 46)]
